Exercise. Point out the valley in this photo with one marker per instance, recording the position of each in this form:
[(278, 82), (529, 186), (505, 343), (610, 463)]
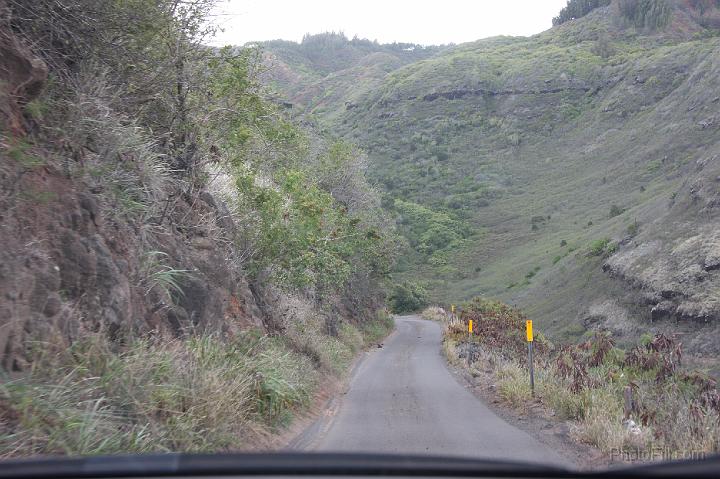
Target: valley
[(572, 173)]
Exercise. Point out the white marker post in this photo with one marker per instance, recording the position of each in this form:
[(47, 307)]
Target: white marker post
[(529, 334)]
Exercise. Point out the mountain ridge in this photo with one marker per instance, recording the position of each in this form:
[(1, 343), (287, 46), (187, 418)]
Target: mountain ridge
[(534, 144)]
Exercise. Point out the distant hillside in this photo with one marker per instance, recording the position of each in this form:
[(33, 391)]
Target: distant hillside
[(574, 173), (328, 69)]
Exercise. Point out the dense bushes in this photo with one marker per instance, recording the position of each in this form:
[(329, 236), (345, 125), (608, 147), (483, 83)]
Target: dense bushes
[(157, 118), (578, 8), (646, 13), (602, 247), (498, 325), (408, 297)]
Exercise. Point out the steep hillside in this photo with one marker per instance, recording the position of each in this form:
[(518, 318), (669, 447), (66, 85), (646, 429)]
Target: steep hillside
[(573, 173), (182, 267)]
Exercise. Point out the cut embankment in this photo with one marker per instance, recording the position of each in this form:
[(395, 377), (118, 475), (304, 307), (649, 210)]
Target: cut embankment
[(203, 393)]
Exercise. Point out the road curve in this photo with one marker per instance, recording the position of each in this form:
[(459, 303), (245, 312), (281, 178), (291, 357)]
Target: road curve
[(403, 399)]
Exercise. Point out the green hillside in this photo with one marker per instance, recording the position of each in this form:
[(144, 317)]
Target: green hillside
[(572, 173)]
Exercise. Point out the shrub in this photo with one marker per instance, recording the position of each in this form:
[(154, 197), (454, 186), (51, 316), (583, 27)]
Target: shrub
[(675, 409), (530, 274), (615, 210), (565, 403), (601, 425), (500, 327), (603, 48), (408, 297), (633, 228), (601, 247)]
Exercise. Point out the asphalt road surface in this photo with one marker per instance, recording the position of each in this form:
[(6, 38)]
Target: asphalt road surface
[(402, 399)]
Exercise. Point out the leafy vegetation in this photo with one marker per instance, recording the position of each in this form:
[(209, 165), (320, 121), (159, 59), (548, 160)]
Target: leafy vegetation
[(408, 297), (598, 247), (578, 8), (307, 210), (615, 210), (489, 147), (172, 149)]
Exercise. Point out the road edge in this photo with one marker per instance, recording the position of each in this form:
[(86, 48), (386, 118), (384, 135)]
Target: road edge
[(308, 428), (552, 432)]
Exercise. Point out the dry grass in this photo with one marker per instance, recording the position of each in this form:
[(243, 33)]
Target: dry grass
[(435, 313), (449, 347), (557, 395), (197, 394), (675, 409), (513, 385)]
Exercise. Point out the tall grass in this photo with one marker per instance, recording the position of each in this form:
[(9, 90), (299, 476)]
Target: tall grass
[(673, 408), (374, 331), (435, 313), (513, 386), (203, 393)]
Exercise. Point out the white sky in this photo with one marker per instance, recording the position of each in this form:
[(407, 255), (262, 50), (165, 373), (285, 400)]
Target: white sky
[(427, 22)]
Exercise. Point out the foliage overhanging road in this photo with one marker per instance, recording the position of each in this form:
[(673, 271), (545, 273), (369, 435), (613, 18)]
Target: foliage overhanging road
[(403, 399)]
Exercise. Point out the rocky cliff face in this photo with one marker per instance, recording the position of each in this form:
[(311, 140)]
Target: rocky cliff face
[(23, 74), (68, 265), (70, 262)]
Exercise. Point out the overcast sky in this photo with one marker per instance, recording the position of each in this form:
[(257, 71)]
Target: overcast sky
[(428, 22)]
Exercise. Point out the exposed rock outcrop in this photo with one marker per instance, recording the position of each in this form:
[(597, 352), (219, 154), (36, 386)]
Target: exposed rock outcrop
[(70, 264), (67, 267), (23, 77)]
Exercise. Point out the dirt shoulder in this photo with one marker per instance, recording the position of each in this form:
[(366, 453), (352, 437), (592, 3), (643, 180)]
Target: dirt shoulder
[(537, 420)]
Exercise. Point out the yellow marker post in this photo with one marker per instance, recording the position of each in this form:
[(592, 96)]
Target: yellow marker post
[(528, 330), (469, 352), (529, 337)]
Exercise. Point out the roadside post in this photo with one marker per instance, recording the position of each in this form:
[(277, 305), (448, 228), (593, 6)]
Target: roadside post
[(529, 334), (470, 331), (452, 311)]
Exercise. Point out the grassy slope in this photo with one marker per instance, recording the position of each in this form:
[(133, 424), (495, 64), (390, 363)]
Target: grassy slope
[(557, 129), (205, 393)]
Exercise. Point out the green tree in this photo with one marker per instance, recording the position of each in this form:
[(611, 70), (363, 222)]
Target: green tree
[(577, 9), (408, 297)]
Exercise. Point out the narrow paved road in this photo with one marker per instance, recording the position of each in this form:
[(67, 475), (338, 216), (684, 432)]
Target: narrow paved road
[(403, 399)]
